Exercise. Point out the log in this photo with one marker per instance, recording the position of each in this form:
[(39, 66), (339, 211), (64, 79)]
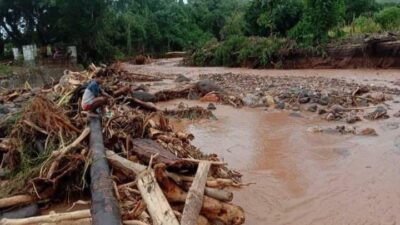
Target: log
[(143, 105), (157, 205), (132, 169), (51, 218), (105, 208), (212, 209), (194, 200), (15, 200), (23, 212)]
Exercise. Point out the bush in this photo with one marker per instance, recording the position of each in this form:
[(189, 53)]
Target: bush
[(240, 51), (366, 25), (389, 18)]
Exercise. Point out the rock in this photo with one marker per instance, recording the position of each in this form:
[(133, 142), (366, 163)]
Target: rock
[(207, 86), (336, 109), (4, 110), (346, 130), (296, 108), (324, 100), (368, 132), (379, 113), (352, 119), (142, 87), (312, 108), (330, 117), (296, 115), (390, 126), (250, 100), (396, 101), (144, 96), (304, 100), (321, 111), (211, 97), (181, 78), (280, 105), (362, 90), (378, 97), (268, 100), (315, 129), (397, 115), (211, 106)]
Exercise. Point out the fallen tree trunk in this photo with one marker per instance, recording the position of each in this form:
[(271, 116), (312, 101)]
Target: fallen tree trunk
[(157, 205), (144, 105), (194, 200), (105, 208), (51, 218), (212, 209), (16, 200)]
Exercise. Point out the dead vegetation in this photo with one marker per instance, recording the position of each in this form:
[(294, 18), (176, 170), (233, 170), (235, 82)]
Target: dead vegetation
[(46, 156)]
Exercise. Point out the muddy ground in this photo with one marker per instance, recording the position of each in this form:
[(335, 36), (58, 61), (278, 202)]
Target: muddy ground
[(298, 174)]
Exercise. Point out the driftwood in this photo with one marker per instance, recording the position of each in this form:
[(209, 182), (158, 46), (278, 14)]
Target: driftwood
[(181, 92), (212, 209), (105, 208), (157, 205), (144, 105), (51, 218), (65, 150), (16, 200), (194, 200)]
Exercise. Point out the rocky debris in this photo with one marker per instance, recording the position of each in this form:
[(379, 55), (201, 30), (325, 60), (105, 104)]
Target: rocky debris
[(181, 78), (352, 118), (280, 105), (322, 111), (312, 108), (337, 130), (4, 110), (206, 86), (346, 130), (252, 100), (211, 106), (379, 113), (368, 132), (144, 96), (397, 115)]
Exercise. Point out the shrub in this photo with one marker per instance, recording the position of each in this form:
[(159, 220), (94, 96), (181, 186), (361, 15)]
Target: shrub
[(366, 25), (389, 18)]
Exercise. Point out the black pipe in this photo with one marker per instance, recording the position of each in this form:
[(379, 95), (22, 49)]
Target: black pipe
[(105, 209)]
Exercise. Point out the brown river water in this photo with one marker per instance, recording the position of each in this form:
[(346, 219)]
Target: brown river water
[(300, 177)]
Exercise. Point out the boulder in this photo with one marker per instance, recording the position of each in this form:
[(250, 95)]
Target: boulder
[(207, 86), (312, 108), (211, 106), (181, 78)]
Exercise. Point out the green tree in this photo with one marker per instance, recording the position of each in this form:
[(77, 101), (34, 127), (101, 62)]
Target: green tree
[(320, 16), (389, 18), (266, 17), (356, 8)]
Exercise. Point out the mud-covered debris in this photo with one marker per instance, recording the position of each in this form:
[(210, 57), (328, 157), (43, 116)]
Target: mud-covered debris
[(252, 100), (322, 111), (144, 96), (207, 86), (210, 97), (280, 105), (211, 106), (379, 113), (368, 132), (181, 78), (352, 118), (397, 115), (346, 129), (312, 108)]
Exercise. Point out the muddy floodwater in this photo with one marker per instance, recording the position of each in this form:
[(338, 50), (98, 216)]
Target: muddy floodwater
[(298, 177)]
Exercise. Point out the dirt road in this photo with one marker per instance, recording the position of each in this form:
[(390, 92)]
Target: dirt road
[(303, 178)]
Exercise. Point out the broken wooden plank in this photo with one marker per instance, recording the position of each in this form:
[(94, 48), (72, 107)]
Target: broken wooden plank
[(157, 205), (16, 200), (51, 218), (194, 200)]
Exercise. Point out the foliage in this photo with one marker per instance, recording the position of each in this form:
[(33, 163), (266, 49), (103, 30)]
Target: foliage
[(389, 18), (265, 17), (366, 25), (242, 51), (356, 8), (320, 16), (234, 25), (5, 71)]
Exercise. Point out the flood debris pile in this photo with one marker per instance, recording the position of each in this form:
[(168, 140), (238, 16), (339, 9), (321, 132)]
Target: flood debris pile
[(334, 99), (157, 174)]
